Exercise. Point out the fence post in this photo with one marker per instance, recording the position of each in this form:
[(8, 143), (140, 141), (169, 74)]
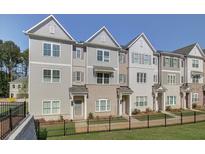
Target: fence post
[(148, 121), (181, 118), (24, 108), (194, 116), (10, 119), (88, 123), (109, 123), (129, 122), (165, 120), (64, 128)]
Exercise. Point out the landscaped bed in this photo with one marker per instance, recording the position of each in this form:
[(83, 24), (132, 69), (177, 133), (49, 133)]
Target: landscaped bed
[(186, 112), (106, 120), (152, 116)]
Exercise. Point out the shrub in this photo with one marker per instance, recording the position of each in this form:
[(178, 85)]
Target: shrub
[(168, 108), (148, 110), (61, 118), (194, 105), (90, 116), (136, 111), (42, 135)]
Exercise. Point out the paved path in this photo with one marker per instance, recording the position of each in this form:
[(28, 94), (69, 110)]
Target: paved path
[(197, 110), (170, 114)]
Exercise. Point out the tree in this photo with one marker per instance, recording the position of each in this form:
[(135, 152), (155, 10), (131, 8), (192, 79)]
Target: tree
[(10, 56), (25, 61)]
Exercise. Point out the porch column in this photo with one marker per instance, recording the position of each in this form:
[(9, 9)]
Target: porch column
[(184, 100), (164, 101), (85, 106), (120, 105), (156, 102), (130, 108), (190, 103)]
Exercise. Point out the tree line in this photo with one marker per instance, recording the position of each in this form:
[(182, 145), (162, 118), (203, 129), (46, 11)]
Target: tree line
[(13, 64)]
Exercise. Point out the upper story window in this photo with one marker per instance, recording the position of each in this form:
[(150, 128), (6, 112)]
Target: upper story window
[(182, 63), (13, 86), (155, 78), (19, 86), (171, 79), (103, 78), (51, 49), (78, 76), (195, 63), (122, 78), (103, 55), (141, 77), (155, 60), (78, 53), (122, 58), (195, 79), (141, 58), (182, 79), (171, 62), (51, 76)]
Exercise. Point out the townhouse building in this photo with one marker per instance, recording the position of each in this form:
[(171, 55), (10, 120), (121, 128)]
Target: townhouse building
[(100, 77)]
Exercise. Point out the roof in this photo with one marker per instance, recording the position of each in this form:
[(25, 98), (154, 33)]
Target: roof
[(136, 38), (107, 31), (103, 69), (185, 50), (19, 80), (47, 19), (78, 89), (124, 90)]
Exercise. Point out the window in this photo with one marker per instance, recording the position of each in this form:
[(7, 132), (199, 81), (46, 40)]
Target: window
[(51, 75), (182, 63), (195, 97), (122, 58), (103, 105), (195, 79), (46, 49), (141, 101), (51, 49), (141, 78), (56, 50), (103, 78), (19, 86), (122, 78), (56, 76), (171, 100), (171, 62), (47, 75), (182, 79), (155, 78), (103, 55), (155, 60), (78, 76), (171, 79), (195, 63), (77, 54), (51, 107), (141, 58), (13, 86)]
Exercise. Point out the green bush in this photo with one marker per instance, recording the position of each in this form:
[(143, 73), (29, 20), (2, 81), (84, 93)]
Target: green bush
[(42, 134), (168, 108), (194, 105), (90, 116), (136, 111), (148, 110)]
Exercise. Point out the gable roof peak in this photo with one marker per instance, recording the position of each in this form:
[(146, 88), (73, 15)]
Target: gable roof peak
[(186, 50)]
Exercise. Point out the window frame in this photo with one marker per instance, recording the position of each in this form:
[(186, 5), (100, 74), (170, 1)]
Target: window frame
[(122, 58), (51, 81), (141, 77), (103, 78), (99, 107), (196, 98), (51, 105), (51, 55), (141, 101), (107, 60), (171, 100), (195, 63), (172, 78)]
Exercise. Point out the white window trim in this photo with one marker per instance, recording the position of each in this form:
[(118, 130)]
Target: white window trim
[(51, 101), (103, 58), (144, 74), (172, 83), (195, 60), (52, 43), (51, 75), (106, 105), (169, 103), (103, 83), (194, 94), (145, 100), (123, 58)]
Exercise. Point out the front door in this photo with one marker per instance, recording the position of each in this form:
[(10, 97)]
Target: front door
[(187, 100), (78, 108)]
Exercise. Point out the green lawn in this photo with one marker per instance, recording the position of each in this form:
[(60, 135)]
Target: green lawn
[(187, 113), (181, 132), (154, 116), (104, 121)]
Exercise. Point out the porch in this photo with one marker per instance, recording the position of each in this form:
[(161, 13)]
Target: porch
[(186, 96)]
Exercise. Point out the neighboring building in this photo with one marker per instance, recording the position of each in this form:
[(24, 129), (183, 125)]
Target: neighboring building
[(74, 79), (192, 89), (18, 88)]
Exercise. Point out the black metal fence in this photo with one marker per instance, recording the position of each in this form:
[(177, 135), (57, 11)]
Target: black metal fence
[(10, 116), (65, 127)]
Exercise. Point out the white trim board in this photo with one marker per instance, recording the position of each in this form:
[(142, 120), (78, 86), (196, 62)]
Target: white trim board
[(53, 64)]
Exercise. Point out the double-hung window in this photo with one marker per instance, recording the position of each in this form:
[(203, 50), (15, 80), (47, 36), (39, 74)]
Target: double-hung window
[(139, 58), (103, 55), (195, 63), (122, 58), (51, 107), (122, 78), (141, 101), (195, 97), (51, 75), (171, 79), (103, 78), (195, 78), (77, 53), (141, 77), (171, 100), (51, 49), (103, 105)]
